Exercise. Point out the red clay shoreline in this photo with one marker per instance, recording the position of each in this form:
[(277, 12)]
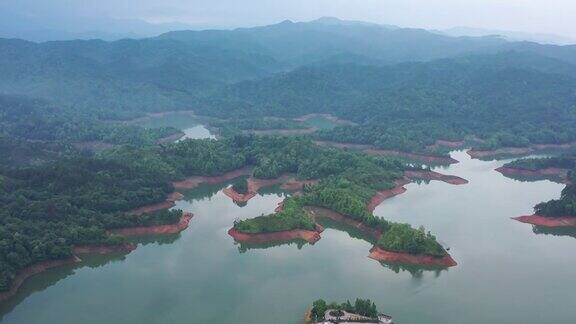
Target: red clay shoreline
[(368, 149), (43, 266), (376, 252), (432, 175), (98, 249), (195, 181), (307, 235), (286, 181), (316, 211), (517, 151), (538, 220), (34, 270), (444, 143), (155, 230), (168, 203), (382, 255), (386, 194), (560, 173)]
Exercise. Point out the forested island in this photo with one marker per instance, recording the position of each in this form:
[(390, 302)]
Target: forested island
[(363, 310), (348, 184)]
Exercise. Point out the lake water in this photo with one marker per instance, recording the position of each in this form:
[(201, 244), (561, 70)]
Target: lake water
[(506, 272), (187, 123)]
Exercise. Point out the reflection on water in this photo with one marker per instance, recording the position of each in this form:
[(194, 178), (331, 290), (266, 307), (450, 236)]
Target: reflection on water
[(201, 276), (47, 279), (556, 231), (416, 271), (244, 247)]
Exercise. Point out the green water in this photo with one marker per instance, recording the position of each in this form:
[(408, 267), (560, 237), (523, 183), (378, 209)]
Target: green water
[(185, 122), (506, 272)]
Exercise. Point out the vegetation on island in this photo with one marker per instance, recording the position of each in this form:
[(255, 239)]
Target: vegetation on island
[(240, 186), (348, 182), (363, 307), (291, 217)]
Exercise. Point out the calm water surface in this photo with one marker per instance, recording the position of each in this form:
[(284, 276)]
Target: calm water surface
[(506, 272), (187, 123)]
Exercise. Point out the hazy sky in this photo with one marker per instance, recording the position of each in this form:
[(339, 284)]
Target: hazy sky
[(536, 16)]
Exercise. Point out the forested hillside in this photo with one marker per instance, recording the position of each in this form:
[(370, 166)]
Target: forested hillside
[(508, 99), (122, 78), (45, 130)]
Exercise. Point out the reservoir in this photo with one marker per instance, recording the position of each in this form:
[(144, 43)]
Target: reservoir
[(507, 271)]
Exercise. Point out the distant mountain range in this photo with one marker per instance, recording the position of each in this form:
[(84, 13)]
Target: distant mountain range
[(542, 38), (175, 69)]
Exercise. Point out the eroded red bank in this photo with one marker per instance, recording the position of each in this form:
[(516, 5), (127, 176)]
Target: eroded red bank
[(95, 250), (168, 203), (478, 154), (564, 221), (385, 194), (309, 236), (382, 255), (254, 185), (103, 249), (31, 271), (431, 175), (540, 173), (155, 230), (195, 181), (432, 159)]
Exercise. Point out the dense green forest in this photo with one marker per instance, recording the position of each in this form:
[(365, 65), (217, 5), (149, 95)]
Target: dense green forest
[(565, 206), (364, 307), (507, 99), (48, 209), (40, 124), (74, 199), (349, 181)]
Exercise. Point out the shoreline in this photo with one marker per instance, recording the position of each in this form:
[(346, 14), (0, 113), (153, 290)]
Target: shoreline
[(96, 249), (155, 230), (368, 149), (258, 238), (539, 220), (329, 117), (381, 196), (171, 138), (316, 211), (33, 270), (545, 173), (433, 175), (517, 151), (170, 202), (381, 255), (286, 181), (195, 181)]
